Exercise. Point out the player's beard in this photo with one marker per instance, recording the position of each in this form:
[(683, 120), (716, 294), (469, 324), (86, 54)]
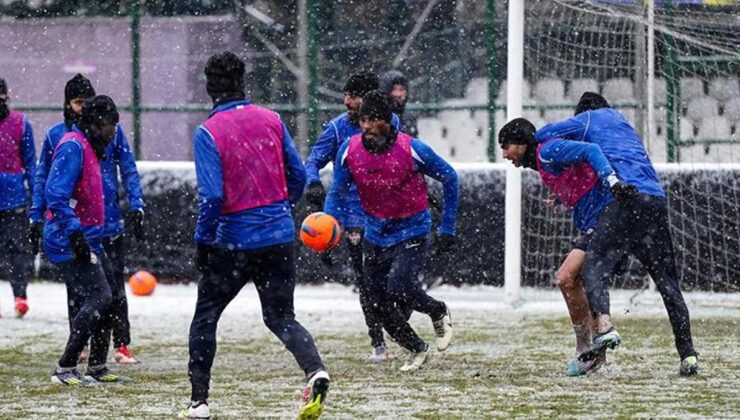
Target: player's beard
[(529, 160), (381, 144), (353, 117)]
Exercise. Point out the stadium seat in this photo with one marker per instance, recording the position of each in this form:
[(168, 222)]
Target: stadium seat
[(732, 109), (549, 91), (526, 91), (723, 89), (701, 107), (578, 86), (714, 128), (618, 90), (691, 87), (660, 91), (631, 115), (430, 131), (687, 129), (476, 92), (554, 115)]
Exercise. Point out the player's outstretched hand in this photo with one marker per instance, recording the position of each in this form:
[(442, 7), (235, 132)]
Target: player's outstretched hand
[(315, 196), (443, 243), (624, 193), (35, 233), (136, 222), (202, 256), (80, 247)]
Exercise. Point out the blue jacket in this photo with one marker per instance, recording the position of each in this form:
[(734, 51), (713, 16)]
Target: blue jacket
[(252, 228), (13, 193), (389, 232), (118, 155), (620, 143), (336, 132), (66, 168), (557, 155)]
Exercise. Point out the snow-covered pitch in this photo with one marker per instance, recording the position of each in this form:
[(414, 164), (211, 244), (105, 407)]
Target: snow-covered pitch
[(504, 361)]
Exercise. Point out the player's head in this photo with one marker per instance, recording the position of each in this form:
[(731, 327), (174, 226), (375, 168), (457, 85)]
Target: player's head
[(98, 121), (4, 111), (76, 91), (225, 77), (355, 89), (590, 101), (375, 115), (518, 143), (396, 84)]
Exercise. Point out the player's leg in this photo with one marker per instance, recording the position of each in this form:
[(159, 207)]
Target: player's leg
[(378, 263), (218, 286), (659, 260), (19, 257), (121, 328), (85, 283), (608, 244), (405, 288), (273, 271)]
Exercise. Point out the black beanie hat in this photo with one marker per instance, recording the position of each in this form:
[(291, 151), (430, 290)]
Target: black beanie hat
[(78, 87), (225, 77), (517, 131), (3, 87), (590, 101), (98, 109), (376, 105), (360, 84), (392, 78)]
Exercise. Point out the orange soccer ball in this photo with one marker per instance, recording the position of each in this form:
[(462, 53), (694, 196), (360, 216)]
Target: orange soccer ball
[(142, 283), (320, 232)]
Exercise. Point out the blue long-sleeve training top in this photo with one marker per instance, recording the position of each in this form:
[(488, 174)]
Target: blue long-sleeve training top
[(13, 190), (253, 228), (618, 140), (66, 168), (118, 157), (557, 155), (388, 232), (325, 149)]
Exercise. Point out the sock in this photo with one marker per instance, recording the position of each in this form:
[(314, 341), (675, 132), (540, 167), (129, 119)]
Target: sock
[(583, 337), (65, 369)]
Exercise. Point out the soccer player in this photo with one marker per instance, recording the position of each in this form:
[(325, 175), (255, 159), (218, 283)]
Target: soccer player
[(580, 177), (639, 227), (117, 157), (17, 163), (73, 238), (397, 86), (352, 218), (245, 230), (389, 167)]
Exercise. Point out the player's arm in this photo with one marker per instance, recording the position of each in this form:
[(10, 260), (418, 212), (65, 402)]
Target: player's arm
[(295, 173), (66, 167), (209, 173), (562, 153), (573, 128), (28, 155), (38, 202), (340, 185), (129, 173), (431, 164), (324, 150)]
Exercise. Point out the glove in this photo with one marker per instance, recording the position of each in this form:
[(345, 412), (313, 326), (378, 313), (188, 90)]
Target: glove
[(136, 221), (35, 233), (203, 256), (327, 258), (315, 195), (80, 248), (444, 243), (624, 193)]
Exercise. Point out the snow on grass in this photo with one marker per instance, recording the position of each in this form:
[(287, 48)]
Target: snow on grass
[(504, 362)]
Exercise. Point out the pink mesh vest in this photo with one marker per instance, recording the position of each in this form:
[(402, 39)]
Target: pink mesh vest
[(88, 204), (572, 183), (388, 185), (249, 140), (11, 134)]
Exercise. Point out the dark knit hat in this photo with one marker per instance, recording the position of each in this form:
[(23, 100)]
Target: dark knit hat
[(376, 106), (517, 131), (78, 87), (392, 78), (98, 109), (590, 101), (225, 77), (360, 84)]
